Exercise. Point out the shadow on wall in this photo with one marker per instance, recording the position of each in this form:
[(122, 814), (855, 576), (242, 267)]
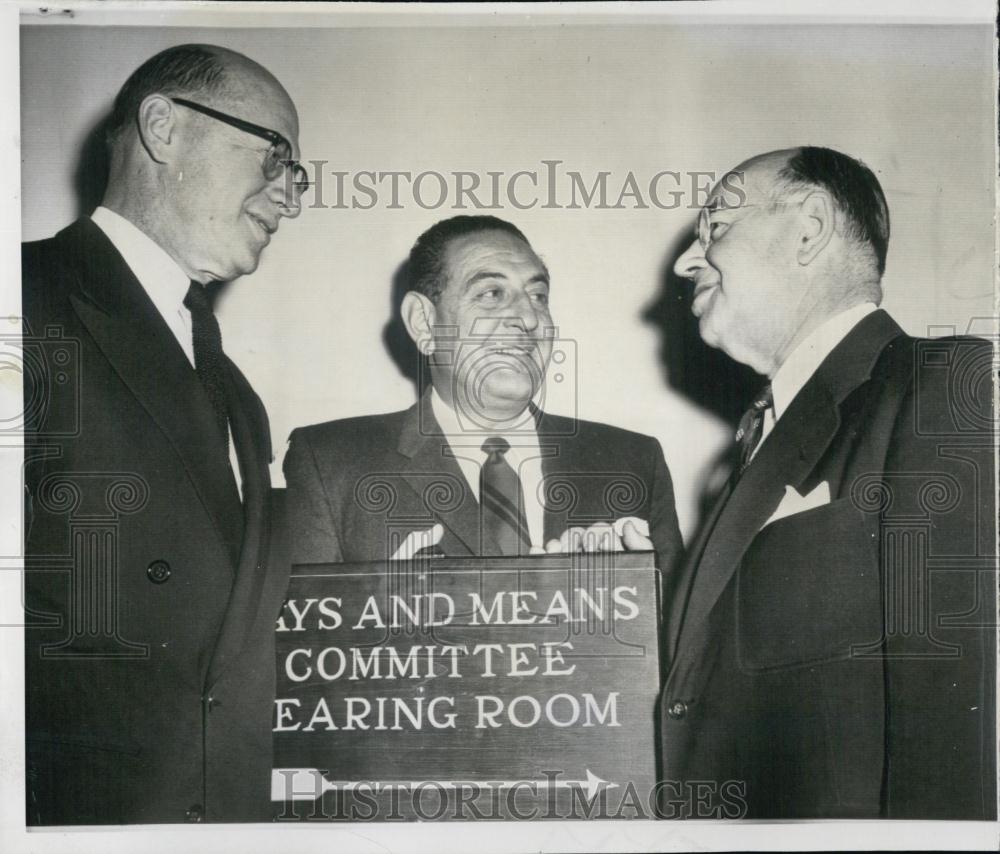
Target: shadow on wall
[(703, 375), (400, 347), (91, 174)]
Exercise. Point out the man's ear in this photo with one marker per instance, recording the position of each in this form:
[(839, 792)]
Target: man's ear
[(418, 316), (156, 123), (818, 218)]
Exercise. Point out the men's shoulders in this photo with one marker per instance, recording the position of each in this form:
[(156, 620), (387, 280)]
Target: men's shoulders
[(962, 344), (595, 446), (620, 434), (47, 278), (906, 359), (948, 382), (878, 361), (41, 256), (54, 267), (43, 247), (351, 433), (936, 361), (60, 247), (586, 431), (337, 454)]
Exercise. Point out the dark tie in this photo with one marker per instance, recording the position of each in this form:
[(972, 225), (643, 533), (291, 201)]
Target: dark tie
[(502, 501), (751, 427), (209, 363)]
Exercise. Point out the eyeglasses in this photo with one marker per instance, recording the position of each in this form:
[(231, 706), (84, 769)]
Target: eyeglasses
[(279, 155), (705, 219)]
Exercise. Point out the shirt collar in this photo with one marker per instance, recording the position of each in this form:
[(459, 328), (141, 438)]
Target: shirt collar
[(796, 370), (525, 436), (158, 273)]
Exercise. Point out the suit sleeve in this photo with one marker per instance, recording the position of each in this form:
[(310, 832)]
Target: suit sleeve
[(311, 526), (38, 391), (941, 672), (663, 527)]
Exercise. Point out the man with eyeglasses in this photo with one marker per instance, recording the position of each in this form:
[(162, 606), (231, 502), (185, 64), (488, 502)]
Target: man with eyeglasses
[(150, 596), (831, 637)]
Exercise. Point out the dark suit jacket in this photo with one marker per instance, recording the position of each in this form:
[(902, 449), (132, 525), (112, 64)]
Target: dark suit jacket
[(357, 487), (839, 661), (149, 646)]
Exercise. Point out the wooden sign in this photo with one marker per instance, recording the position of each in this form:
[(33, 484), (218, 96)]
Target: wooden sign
[(449, 687)]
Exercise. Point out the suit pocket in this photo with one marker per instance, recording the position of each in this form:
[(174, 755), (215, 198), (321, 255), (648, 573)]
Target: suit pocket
[(809, 589)]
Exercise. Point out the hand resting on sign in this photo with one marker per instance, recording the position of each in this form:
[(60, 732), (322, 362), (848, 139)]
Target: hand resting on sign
[(625, 534), (628, 533), (417, 541)]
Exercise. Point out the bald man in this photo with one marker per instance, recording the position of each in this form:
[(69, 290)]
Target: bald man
[(832, 650), (150, 602)]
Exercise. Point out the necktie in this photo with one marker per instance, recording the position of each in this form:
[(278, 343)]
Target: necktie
[(208, 360), (501, 500), (751, 427)]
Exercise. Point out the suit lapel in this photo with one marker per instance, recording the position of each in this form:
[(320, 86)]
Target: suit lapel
[(427, 451), (139, 345), (786, 458), (559, 457)]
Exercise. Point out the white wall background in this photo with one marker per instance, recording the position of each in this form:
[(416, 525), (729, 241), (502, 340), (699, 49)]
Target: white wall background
[(915, 103)]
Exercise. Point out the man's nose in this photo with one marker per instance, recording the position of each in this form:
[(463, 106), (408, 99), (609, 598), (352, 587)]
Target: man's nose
[(523, 314), (285, 197), (690, 262)]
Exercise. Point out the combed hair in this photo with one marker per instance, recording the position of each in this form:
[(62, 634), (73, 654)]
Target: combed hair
[(425, 267), (187, 69), (854, 188)]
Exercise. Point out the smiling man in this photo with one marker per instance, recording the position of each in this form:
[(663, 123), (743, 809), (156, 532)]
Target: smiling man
[(831, 636), (149, 647), (475, 467)]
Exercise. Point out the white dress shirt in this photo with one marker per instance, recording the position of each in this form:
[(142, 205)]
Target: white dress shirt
[(524, 457), (164, 282), (803, 361)]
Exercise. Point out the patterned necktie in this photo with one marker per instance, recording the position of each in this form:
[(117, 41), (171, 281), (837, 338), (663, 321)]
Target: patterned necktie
[(208, 359), (751, 427), (502, 501)]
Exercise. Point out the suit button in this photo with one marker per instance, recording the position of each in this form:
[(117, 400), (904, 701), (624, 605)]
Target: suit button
[(677, 710), (193, 813), (213, 703), (158, 571)]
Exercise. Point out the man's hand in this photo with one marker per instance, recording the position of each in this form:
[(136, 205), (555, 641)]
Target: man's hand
[(626, 534), (419, 540)]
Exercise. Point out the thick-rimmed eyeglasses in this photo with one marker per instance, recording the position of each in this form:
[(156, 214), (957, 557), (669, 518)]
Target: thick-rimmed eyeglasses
[(279, 155)]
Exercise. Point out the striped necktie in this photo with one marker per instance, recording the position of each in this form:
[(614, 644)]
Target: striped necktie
[(752, 427), (502, 501)]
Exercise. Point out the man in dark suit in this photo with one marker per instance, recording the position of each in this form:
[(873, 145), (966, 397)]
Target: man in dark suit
[(831, 636), (474, 467), (149, 600)]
